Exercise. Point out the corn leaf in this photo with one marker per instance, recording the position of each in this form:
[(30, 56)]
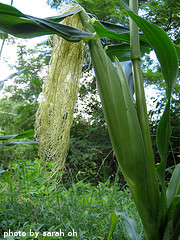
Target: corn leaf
[(16, 143), (117, 32), (167, 56), (113, 31), (18, 24), (174, 185), (125, 133), (122, 52), (25, 134), (177, 51), (172, 230), (62, 16), (162, 139), (163, 47), (131, 226)]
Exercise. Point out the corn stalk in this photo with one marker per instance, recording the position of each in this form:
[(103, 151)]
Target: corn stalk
[(126, 134)]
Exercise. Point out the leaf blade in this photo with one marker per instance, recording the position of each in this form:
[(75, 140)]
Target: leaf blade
[(122, 51), (131, 226), (174, 185), (18, 24)]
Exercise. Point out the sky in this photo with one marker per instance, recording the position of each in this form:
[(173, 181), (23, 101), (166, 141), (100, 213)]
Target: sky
[(36, 8)]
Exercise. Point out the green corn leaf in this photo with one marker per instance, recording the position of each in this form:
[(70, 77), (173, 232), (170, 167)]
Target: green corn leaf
[(113, 31), (163, 47), (6, 137), (12, 11), (125, 133), (26, 134), (172, 230), (167, 56), (105, 27), (177, 51), (25, 110), (162, 139), (174, 185), (126, 137), (117, 32), (131, 226), (122, 52), (63, 16), (16, 143), (25, 26)]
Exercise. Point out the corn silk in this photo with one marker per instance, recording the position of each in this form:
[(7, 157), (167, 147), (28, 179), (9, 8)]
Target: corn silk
[(59, 95)]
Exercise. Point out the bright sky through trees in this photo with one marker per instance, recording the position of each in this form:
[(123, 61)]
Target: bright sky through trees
[(36, 8)]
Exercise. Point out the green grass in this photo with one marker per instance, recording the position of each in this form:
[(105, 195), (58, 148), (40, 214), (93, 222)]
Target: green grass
[(29, 202)]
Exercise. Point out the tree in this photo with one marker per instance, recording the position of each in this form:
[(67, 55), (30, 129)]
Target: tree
[(103, 10), (163, 13)]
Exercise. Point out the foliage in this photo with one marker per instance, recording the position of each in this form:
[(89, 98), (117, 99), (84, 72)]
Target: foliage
[(28, 201), (90, 158), (110, 8), (163, 13)]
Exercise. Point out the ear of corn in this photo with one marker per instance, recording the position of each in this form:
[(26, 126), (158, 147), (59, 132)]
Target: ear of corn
[(55, 114)]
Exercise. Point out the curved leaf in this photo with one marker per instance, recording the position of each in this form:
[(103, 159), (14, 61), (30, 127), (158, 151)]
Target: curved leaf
[(117, 32), (163, 46), (62, 16), (113, 31), (168, 58), (18, 24), (16, 143), (25, 134), (174, 185), (122, 51), (131, 226), (172, 230)]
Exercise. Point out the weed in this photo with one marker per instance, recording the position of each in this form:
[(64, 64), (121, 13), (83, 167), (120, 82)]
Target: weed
[(30, 204)]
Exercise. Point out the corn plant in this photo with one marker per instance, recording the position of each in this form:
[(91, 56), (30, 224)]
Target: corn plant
[(157, 204)]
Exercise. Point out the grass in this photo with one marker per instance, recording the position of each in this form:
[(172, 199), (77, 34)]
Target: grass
[(29, 203)]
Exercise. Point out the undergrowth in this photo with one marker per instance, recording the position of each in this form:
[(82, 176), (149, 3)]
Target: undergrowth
[(29, 203)]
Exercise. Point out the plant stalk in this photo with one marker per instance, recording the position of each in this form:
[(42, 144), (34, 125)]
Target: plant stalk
[(143, 183), (143, 120)]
